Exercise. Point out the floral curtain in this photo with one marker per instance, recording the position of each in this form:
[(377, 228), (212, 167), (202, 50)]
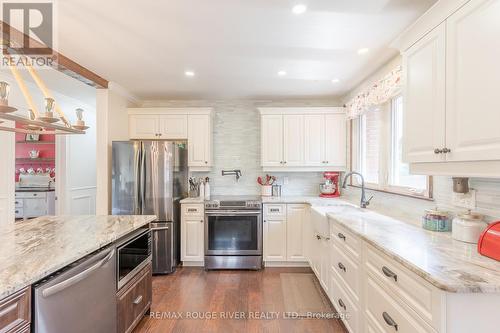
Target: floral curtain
[(380, 92)]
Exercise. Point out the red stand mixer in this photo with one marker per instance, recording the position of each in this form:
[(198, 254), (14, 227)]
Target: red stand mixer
[(330, 188)]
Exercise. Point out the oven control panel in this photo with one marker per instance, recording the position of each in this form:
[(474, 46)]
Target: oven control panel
[(232, 204)]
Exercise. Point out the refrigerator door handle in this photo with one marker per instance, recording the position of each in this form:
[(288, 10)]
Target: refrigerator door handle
[(137, 185), (143, 178)]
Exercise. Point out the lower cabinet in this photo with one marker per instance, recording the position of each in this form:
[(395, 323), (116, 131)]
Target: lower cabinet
[(192, 234), (15, 312), (284, 232), (134, 300)]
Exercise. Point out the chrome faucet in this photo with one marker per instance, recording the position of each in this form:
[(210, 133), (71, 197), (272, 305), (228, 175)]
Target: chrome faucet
[(236, 173), (364, 203)]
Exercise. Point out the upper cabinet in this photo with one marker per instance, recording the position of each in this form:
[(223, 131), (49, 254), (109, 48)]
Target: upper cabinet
[(424, 97), (191, 124), (451, 77), (200, 140), (303, 139)]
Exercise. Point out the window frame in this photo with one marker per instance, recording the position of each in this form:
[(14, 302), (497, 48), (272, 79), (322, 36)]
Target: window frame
[(386, 152)]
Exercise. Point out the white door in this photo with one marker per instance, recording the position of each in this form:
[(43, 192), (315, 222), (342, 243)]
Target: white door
[(173, 126), (424, 98), (272, 140), (314, 140), (473, 82), (296, 218), (336, 140), (275, 239), (192, 239), (144, 126), (199, 140), (293, 140)]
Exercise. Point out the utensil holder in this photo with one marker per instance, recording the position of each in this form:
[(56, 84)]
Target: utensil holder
[(266, 190)]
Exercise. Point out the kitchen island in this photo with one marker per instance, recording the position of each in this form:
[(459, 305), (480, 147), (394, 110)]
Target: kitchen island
[(34, 249)]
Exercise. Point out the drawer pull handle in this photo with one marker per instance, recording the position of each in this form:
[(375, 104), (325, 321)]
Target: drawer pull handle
[(274, 210), (389, 321), (341, 236), (138, 300), (192, 210), (387, 272), (341, 303), (342, 267)]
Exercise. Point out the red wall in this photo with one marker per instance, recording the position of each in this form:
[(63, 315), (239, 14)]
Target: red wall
[(46, 151)]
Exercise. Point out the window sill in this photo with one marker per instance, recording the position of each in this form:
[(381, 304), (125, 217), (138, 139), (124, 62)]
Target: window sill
[(421, 197)]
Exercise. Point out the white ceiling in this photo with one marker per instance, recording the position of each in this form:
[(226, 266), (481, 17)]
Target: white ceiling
[(235, 47)]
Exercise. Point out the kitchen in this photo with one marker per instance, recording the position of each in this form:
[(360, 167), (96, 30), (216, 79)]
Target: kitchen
[(339, 174)]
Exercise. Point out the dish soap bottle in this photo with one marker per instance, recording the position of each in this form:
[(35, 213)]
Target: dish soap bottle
[(207, 188), (201, 190)]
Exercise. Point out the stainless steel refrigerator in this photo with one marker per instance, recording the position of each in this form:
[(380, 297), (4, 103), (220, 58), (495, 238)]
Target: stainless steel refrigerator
[(150, 178)]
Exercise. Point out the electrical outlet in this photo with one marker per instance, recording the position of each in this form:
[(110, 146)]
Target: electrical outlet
[(285, 180), (465, 200)]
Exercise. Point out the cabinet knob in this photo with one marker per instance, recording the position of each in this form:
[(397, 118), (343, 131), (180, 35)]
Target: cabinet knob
[(201, 221), (206, 162)]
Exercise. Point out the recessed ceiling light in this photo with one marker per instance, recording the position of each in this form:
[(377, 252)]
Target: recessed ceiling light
[(282, 73), (335, 80), (299, 9), (189, 73), (363, 50)]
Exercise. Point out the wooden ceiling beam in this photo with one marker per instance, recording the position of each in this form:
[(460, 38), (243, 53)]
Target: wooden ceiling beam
[(61, 63)]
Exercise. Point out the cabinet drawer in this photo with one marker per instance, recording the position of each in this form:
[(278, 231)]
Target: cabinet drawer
[(347, 270), (274, 211), (15, 311), (192, 210), (19, 203), (134, 300), (19, 213), (411, 289), (346, 241), (387, 314), (31, 195), (346, 307)]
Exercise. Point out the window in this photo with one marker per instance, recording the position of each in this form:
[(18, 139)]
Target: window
[(377, 152)]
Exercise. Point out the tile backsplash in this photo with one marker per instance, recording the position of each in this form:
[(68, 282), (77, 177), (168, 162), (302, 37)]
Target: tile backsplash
[(236, 145)]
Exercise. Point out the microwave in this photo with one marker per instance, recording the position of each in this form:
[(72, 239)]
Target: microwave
[(133, 254)]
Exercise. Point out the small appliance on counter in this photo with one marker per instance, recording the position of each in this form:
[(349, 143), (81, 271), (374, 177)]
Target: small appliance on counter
[(437, 220), (330, 188), (489, 241), (467, 227)]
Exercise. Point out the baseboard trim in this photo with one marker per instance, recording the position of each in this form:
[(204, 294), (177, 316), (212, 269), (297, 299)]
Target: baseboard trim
[(286, 264), (193, 263)]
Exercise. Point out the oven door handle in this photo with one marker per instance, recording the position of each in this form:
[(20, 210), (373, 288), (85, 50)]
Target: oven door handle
[(235, 212)]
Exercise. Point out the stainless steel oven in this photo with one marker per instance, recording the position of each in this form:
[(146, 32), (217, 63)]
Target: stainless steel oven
[(133, 253), (233, 233)]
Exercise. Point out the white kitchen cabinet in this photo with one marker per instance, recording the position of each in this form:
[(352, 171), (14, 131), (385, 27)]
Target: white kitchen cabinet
[(275, 239), (424, 98), (193, 124), (293, 140), (272, 140), (192, 233), (173, 126), (296, 218), (450, 80), (144, 126), (34, 204), (336, 140), (303, 139), (473, 78), (199, 140), (315, 140)]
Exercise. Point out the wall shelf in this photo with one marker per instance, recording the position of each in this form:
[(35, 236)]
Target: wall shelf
[(28, 160), (36, 142)]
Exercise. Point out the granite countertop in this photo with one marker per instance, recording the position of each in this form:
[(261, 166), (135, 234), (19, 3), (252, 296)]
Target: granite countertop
[(448, 264), (192, 200), (30, 250)]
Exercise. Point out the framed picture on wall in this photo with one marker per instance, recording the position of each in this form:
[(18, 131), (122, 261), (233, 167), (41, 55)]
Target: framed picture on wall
[(32, 137)]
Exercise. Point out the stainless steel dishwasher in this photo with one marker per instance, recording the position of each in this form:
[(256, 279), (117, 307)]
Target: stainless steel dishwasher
[(80, 298)]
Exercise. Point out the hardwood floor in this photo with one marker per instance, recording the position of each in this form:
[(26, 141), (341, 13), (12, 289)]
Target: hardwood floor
[(191, 292)]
